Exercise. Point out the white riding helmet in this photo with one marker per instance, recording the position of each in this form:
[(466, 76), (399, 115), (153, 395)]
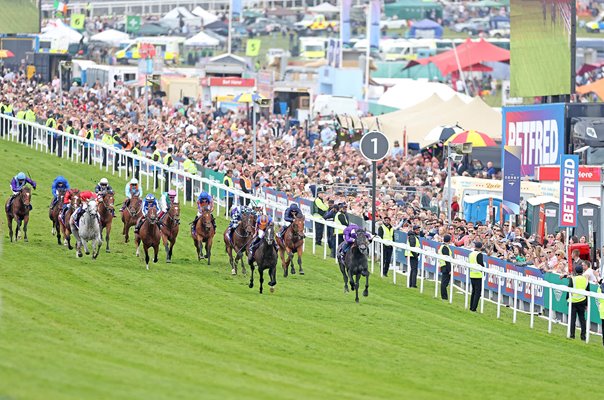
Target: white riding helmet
[(104, 181), (134, 181)]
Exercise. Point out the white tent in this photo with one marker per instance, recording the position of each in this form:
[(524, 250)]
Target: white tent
[(110, 36), (177, 12), (409, 92), (206, 16), (324, 8), (59, 31), (202, 39)]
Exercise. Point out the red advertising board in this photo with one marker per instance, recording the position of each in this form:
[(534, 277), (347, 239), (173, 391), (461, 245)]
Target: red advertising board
[(552, 173), (228, 81)]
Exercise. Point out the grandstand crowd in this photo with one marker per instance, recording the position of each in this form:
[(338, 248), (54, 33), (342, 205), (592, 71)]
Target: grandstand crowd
[(290, 158)]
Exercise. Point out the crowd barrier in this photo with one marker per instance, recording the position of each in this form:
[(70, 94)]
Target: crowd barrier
[(520, 288)]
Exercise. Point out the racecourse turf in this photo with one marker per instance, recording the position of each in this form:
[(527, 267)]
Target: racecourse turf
[(19, 16), (108, 329)]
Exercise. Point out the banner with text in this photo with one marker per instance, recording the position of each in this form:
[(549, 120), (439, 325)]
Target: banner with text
[(511, 179), (569, 187)]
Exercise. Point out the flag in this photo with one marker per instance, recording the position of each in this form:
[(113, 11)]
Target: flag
[(133, 23), (346, 6), (252, 48), (60, 6), (374, 33), (511, 179), (77, 21)]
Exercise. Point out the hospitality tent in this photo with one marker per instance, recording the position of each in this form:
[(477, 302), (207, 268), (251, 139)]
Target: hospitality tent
[(111, 37), (206, 16), (469, 54), (324, 8), (426, 29), (57, 30), (202, 39), (419, 120), (409, 92)]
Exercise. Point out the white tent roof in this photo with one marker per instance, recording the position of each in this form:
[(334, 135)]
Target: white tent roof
[(409, 92), (324, 8), (202, 39), (175, 12), (59, 31), (206, 16), (110, 36)]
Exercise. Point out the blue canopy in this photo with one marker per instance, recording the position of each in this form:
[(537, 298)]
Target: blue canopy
[(425, 29)]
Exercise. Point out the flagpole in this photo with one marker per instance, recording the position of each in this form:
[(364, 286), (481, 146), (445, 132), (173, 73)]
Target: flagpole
[(230, 26), (341, 55), (367, 54)]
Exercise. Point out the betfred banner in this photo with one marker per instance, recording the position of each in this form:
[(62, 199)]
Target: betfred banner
[(539, 131), (569, 187), (512, 165)]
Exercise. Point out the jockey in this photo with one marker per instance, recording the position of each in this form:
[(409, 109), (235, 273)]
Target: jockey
[(16, 184), (60, 183), (256, 207), (236, 213), (290, 213), (132, 189), (67, 200), (166, 200), (203, 200), (263, 222), (85, 196), (103, 187), (350, 234), (150, 201)]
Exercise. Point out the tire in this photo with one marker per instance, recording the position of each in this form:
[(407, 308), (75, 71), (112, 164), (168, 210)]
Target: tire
[(498, 35)]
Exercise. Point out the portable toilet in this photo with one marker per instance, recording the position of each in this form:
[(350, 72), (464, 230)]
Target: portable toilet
[(475, 207), (588, 220), (533, 206)]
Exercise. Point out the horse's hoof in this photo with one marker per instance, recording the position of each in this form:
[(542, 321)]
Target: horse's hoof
[(80, 255), (147, 267), (301, 272), (168, 261), (346, 289), (293, 271), (365, 293), (25, 240), (251, 285), (356, 300), (233, 271), (155, 261), (107, 251), (272, 289)]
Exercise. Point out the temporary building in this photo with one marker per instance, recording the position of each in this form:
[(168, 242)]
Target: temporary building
[(111, 37), (202, 39), (409, 92), (413, 9), (174, 17), (324, 8), (60, 31), (588, 219), (533, 206), (475, 207), (468, 55), (206, 16), (416, 122), (426, 29)]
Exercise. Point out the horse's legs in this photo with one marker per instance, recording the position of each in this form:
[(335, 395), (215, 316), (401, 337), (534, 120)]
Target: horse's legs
[(107, 233), (209, 249), (17, 229), (198, 248), (25, 222), (343, 270), (300, 260), (146, 255), (290, 261), (251, 285), (172, 242), (283, 263), (155, 252), (10, 226), (261, 272), (85, 243), (356, 288), (57, 228), (272, 274), (137, 242), (366, 291)]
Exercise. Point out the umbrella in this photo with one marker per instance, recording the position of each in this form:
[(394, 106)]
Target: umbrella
[(477, 139), (442, 133), (6, 54), (247, 98)]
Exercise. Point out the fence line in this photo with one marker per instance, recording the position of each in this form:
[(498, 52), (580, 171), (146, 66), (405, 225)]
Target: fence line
[(82, 150)]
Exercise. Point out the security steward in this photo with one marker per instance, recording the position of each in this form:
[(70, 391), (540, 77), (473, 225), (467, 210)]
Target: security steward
[(476, 258), (107, 140), (30, 116), (445, 267), (71, 132), (136, 151), (342, 220), (168, 161), (189, 167), (330, 215), (578, 301), (413, 241), (21, 117), (386, 232), (228, 181), (319, 209), (156, 156)]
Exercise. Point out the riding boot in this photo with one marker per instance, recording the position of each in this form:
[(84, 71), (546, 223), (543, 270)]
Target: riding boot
[(125, 205), (77, 217), (193, 224), (253, 249), (138, 226), (213, 222)]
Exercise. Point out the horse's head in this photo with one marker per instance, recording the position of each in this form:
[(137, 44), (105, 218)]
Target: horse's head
[(174, 212), (206, 218), (108, 201), (298, 225), (269, 234), (92, 207), (75, 201), (249, 222), (26, 195), (362, 242), (152, 215)]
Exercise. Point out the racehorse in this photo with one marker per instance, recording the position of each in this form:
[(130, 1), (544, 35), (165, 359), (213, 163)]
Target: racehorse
[(19, 211), (292, 240), (53, 215), (266, 257), (131, 215), (169, 229), (242, 238), (74, 203), (106, 211), (355, 264), (89, 230), (204, 233), (149, 234)]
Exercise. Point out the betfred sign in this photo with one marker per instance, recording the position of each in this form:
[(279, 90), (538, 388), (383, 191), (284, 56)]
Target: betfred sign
[(228, 81), (539, 130), (569, 187), (552, 173)]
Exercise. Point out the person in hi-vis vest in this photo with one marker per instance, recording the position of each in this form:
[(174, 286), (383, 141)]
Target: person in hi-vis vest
[(386, 232), (445, 267), (476, 258), (578, 301), (413, 241)]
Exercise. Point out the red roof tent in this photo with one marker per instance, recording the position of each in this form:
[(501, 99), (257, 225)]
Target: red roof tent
[(469, 53)]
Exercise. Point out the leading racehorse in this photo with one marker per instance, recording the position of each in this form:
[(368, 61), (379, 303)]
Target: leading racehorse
[(131, 215), (241, 239), (106, 213), (149, 234), (53, 214), (292, 241), (355, 264), (170, 223), (74, 203), (19, 211), (89, 230), (204, 233), (266, 257)]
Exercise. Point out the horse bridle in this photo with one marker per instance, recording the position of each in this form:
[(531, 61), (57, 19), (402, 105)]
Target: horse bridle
[(107, 207), (171, 218), (136, 210)]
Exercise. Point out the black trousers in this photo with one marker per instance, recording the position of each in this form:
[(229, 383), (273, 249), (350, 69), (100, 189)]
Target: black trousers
[(331, 241), (230, 200), (340, 239), (413, 274), (166, 181), (30, 135), (58, 146), (476, 293), (578, 309), (188, 189), (70, 147), (319, 229), (386, 259), (104, 156), (86, 155), (137, 171), (156, 184), (445, 279)]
